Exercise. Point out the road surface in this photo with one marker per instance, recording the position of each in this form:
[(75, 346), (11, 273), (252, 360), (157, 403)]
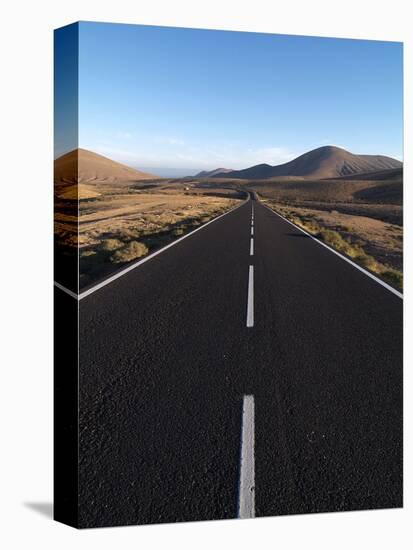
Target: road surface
[(245, 371)]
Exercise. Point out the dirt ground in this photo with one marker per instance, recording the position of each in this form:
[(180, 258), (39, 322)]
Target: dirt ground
[(118, 224)]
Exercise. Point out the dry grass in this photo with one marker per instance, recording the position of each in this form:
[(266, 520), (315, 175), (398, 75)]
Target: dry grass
[(130, 217), (373, 244), (120, 223), (111, 244), (128, 252)]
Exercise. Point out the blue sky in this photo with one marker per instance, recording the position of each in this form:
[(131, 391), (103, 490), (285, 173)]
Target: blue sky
[(181, 100)]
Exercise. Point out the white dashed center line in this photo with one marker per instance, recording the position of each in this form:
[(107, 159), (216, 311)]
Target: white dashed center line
[(246, 502), (250, 301)]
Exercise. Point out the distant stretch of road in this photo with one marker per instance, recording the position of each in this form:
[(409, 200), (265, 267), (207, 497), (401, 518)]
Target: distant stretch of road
[(245, 371)]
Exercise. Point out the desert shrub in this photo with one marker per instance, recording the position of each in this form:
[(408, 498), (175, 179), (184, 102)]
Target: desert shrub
[(306, 222), (394, 277), (111, 244), (129, 233), (311, 226), (178, 231), (130, 251), (368, 262), (335, 240), (82, 239), (87, 253)]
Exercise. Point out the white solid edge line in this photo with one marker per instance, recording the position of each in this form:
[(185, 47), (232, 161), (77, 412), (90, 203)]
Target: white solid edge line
[(64, 289), (252, 247), (246, 497), (147, 258), (382, 283), (250, 299)]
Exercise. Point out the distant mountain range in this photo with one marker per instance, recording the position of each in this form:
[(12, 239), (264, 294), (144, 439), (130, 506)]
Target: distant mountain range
[(83, 166), (93, 168), (322, 163), (212, 173)]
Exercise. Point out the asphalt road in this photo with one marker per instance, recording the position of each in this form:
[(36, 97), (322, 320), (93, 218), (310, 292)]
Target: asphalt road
[(166, 358)]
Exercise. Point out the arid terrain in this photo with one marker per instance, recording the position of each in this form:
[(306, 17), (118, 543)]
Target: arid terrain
[(362, 218), (358, 213), (116, 229), (124, 216)]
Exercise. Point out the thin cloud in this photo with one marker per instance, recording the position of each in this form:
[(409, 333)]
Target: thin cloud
[(124, 135), (175, 154), (168, 140)]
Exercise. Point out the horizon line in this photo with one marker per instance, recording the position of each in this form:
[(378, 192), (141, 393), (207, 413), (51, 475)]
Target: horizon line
[(135, 163)]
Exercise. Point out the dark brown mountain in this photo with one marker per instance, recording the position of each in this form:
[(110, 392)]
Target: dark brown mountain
[(322, 163)]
